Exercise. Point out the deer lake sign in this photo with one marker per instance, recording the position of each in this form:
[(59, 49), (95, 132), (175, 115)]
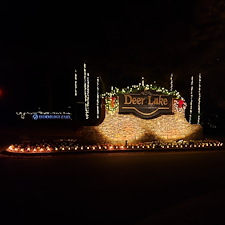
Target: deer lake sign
[(146, 105)]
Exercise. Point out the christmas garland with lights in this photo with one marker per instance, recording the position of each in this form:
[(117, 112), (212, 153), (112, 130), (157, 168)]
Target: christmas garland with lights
[(112, 101)]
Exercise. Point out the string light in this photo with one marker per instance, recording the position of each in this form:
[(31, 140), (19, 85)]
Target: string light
[(199, 98), (85, 87), (98, 97), (171, 82), (88, 95), (75, 83), (191, 100), (143, 81), (86, 92), (69, 145)]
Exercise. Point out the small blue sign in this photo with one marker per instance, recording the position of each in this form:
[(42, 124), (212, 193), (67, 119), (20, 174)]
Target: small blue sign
[(35, 116)]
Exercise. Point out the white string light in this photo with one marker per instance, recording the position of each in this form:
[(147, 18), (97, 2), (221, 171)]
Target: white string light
[(171, 82), (191, 100), (85, 87), (143, 81), (75, 83), (86, 92), (199, 97), (88, 97), (98, 96)]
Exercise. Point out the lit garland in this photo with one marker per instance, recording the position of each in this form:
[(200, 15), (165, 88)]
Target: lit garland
[(71, 145), (111, 98)]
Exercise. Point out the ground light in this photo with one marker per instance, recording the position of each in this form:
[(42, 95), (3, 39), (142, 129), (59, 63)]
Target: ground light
[(71, 145)]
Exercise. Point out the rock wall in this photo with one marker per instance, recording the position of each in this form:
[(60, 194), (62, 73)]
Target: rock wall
[(119, 128)]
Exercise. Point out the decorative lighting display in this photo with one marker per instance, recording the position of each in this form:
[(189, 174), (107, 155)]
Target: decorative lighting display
[(86, 92), (119, 126), (128, 132), (88, 97), (199, 98), (75, 83), (71, 145), (111, 98), (191, 100), (171, 82), (143, 81), (180, 105), (97, 98)]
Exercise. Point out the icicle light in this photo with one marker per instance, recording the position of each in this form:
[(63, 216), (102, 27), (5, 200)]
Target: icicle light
[(171, 82), (143, 81), (75, 83), (86, 92), (88, 97), (97, 100), (85, 87), (191, 100), (199, 98)]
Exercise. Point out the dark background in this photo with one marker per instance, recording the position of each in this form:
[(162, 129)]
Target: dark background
[(41, 44), (114, 188)]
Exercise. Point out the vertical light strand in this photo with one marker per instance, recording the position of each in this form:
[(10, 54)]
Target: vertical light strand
[(199, 97), (98, 97), (143, 81), (191, 100), (85, 83), (85, 91), (75, 83), (171, 82), (88, 96)]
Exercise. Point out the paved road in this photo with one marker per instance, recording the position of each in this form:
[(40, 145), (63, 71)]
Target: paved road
[(119, 188)]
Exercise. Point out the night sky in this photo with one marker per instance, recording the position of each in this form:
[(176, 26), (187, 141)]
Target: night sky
[(41, 44)]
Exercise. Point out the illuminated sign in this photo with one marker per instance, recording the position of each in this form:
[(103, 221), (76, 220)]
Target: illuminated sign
[(46, 115), (51, 117), (146, 105)]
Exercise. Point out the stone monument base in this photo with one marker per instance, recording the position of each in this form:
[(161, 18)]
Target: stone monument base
[(127, 128)]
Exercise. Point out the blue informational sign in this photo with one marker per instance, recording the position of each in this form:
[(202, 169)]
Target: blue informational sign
[(35, 116), (51, 116), (46, 115)]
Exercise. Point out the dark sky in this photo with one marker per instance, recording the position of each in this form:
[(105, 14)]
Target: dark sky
[(121, 41)]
